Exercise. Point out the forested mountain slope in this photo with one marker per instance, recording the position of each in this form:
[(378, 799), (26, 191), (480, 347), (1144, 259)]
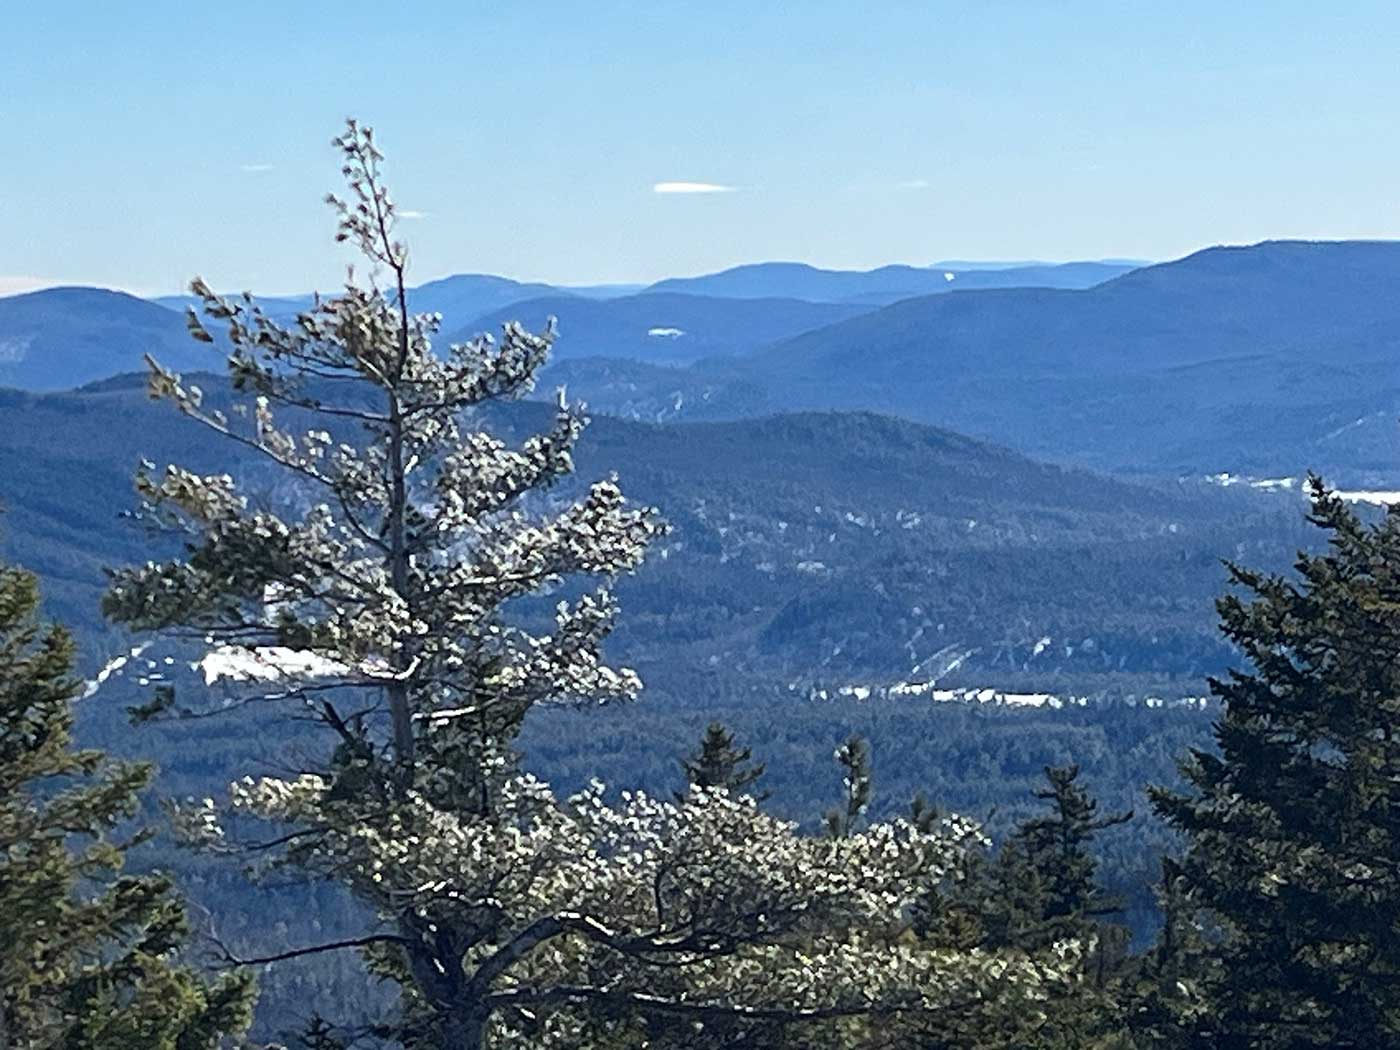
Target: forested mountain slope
[(1266, 359), (663, 327), (807, 549), (60, 338)]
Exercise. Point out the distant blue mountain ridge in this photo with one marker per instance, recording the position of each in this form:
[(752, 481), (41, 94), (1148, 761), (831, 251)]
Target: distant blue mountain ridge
[(1266, 360), (463, 297), (61, 338), (882, 286)]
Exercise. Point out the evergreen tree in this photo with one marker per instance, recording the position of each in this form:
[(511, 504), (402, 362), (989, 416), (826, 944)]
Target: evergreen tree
[(387, 598), (1041, 886), (1041, 889), (1048, 870), (86, 954), (1293, 829), (1162, 998), (719, 763), (857, 786)]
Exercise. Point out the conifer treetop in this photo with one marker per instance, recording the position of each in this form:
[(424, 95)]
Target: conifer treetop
[(395, 565), (411, 530)]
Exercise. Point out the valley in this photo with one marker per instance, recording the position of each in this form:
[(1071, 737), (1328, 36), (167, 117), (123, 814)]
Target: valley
[(984, 529)]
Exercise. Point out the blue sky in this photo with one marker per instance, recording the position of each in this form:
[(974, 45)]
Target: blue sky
[(148, 144)]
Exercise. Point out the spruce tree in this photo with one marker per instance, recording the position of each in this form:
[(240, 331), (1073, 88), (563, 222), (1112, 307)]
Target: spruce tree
[(1041, 889), (1042, 884), (87, 955), (1162, 995), (1293, 828), (1049, 861), (720, 763)]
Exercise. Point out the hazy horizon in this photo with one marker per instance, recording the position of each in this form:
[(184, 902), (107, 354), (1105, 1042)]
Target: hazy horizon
[(17, 285), (548, 143)]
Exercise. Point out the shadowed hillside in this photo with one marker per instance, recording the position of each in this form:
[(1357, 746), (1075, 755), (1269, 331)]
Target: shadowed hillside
[(664, 327), (64, 337), (1267, 359), (807, 548)]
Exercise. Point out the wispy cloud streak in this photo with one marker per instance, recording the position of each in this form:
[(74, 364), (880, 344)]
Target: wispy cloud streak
[(692, 187)]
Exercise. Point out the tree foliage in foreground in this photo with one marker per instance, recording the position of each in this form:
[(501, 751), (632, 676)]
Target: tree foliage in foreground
[(399, 579), (1050, 860), (87, 955), (1293, 828)]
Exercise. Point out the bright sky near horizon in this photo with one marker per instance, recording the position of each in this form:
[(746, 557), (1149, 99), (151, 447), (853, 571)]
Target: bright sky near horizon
[(606, 142)]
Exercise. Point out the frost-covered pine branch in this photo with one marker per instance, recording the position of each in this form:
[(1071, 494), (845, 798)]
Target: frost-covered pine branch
[(510, 918)]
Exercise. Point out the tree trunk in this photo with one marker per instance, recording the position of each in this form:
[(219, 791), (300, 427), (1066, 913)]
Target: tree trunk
[(398, 578), (402, 718), (435, 967), (465, 1029)]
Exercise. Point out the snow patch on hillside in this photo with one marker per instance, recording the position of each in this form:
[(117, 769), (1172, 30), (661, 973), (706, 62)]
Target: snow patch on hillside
[(1225, 480), (270, 663), (988, 696), (13, 350), (113, 666), (1379, 497)]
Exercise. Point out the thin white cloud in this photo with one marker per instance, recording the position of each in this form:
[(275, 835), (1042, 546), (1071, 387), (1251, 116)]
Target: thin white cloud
[(409, 213), (254, 169), (915, 184), (691, 187)]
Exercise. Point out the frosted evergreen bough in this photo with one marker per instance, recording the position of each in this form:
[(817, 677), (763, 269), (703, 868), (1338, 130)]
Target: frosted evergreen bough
[(509, 917)]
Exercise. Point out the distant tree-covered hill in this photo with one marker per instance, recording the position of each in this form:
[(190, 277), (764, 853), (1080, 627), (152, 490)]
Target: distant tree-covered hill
[(663, 327), (807, 549), (60, 338), (1266, 359), (1263, 360), (885, 284)]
